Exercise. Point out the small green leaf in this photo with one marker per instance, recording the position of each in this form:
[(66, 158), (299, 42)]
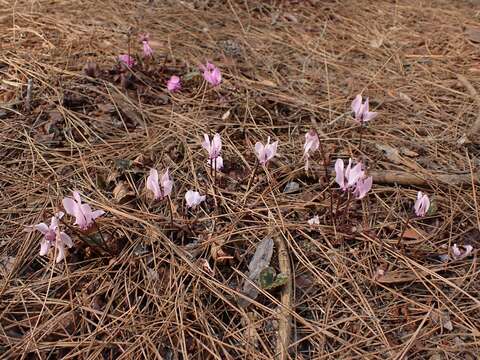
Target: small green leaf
[(432, 210), (267, 277), (280, 280)]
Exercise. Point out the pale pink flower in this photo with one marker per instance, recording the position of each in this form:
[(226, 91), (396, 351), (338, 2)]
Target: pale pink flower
[(361, 111), (52, 237), (266, 152), (84, 216), (213, 147), (314, 221), (127, 60), (362, 187), (211, 73), (347, 178), (461, 253), (422, 204), (160, 189), (216, 163), (174, 84), (458, 252), (193, 198), (312, 143), (147, 50)]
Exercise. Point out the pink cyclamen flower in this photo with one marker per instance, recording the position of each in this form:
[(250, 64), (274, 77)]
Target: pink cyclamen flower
[(216, 163), (266, 152), (347, 178), (193, 198), (160, 189), (84, 216), (52, 237), (362, 187), (174, 84), (361, 111), (312, 143), (422, 204), (213, 147), (211, 74), (127, 60), (147, 50), (461, 253)]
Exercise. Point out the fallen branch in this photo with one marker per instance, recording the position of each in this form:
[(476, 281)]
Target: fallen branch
[(406, 178), (471, 134), (284, 318)]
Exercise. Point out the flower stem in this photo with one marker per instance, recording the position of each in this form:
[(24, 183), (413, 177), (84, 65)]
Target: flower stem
[(361, 138), (404, 229)]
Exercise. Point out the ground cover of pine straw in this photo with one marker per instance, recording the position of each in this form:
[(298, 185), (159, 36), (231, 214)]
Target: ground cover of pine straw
[(144, 290)]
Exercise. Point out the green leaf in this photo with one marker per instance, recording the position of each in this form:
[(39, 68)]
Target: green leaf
[(267, 277), (269, 280)]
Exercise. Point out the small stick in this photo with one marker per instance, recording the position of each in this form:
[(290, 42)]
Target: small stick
[(253, 175), (28, 97), (171, 210)]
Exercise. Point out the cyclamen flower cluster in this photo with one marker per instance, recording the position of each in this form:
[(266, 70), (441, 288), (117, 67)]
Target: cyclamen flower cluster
[(210, 72), (53, 237), (352, 178)]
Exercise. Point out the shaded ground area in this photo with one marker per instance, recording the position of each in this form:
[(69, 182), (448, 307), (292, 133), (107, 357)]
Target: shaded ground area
[(141, 288)]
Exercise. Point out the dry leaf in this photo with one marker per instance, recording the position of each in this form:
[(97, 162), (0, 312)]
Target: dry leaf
[(473, 33), (226, 115), (122, 191), (266, 82), (442, 318), (413, 234), (407, 152), (261, 259), (405, 98), (391, 153), (377, 42)]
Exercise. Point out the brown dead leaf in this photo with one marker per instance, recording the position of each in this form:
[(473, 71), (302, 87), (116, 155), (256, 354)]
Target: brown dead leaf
[(377, 42), (473, 33), (413, 234), (407, 152), (121, 191), (266, 82)]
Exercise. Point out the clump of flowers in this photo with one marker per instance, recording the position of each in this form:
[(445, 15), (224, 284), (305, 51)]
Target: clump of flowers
[(211, 74), (174, 84), (352, 178), (361, 111), (53, 237), (84, 216), (160, 189)]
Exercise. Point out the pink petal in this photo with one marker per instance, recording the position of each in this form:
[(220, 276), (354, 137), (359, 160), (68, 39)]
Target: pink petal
[(357, 104), (97, 213), (60, 252), (339, 173), (44, 246), (42, 227), (152, 183), (69, 205), (76, 196), (67, 240)]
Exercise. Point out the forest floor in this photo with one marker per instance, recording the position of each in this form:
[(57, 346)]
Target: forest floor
[(155, 281)]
